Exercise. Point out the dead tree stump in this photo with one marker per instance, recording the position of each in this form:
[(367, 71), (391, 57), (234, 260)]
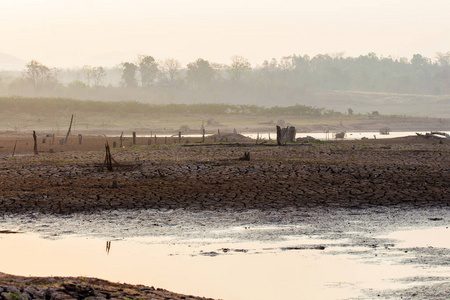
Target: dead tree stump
[(286, 135), (35, 149)]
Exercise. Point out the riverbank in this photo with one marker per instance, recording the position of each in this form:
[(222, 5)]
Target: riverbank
[(19, 287), (410, 171), (405, 173)]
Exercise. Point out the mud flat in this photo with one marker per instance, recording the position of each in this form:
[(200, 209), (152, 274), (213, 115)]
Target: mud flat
[(407, 172), (403, 173)]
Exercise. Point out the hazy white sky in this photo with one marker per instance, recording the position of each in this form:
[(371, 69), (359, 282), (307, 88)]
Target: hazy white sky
[(63, 33)]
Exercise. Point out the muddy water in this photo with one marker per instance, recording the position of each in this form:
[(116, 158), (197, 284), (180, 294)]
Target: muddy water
[(339, 254)]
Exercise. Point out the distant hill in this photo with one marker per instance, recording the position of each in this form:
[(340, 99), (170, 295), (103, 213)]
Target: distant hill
[(9, 62)]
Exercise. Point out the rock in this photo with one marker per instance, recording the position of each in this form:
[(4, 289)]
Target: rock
[(12, 289), (61, 296), (77, 290), (5, 296)]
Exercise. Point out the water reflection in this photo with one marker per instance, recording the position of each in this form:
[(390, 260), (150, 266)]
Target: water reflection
[(108, 247), (285, 269)]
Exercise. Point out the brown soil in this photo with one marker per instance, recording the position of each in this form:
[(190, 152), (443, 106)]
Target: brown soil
[(410, 171), (405, 172), (19, 287)]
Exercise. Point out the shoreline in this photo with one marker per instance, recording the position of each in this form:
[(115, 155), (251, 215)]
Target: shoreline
[(404, 172), (408, 171)]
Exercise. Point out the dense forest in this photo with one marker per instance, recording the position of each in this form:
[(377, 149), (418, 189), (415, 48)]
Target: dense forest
[(286, 81)]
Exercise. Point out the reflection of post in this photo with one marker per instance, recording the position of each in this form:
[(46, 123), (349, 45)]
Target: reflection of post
[(35, 149), (108, 246)]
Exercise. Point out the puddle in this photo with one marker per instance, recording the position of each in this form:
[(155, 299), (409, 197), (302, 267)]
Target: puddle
[(235, 256), (437, 237)]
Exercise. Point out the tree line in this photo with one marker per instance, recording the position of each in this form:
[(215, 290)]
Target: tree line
[(286, 78)]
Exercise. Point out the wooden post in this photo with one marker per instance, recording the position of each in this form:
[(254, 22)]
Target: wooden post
[(179, 137), (134, 137), (35, 149), (203, 135), (121, 139), (165, 140), (114, 145), (278, 135), (14, 150), (155, 139), (218, 133), (108, 158), (68, 131), (80, 138)]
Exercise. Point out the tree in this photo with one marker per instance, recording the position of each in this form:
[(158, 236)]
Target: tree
[(199, 73), (443, 59), (239, 66), (171, 68), (87, 70), (419, 61), (38, 74), (286, 64), (129, 75), (148, 69), (98, 73)]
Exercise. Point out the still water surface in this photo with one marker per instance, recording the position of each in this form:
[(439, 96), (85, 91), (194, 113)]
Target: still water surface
[(314, 255)]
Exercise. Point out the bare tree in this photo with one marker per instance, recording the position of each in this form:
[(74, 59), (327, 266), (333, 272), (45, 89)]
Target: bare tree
[(98, 73), (443, 59), (171, 68), (38, 74), (87, 71), (239, 66)]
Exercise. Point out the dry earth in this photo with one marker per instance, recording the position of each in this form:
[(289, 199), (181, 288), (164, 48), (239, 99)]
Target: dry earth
[(409, 172)]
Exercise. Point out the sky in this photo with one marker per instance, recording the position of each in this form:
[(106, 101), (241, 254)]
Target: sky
[(63, 33)]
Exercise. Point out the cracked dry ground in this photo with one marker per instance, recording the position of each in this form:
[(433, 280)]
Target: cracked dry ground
[(407, 172)]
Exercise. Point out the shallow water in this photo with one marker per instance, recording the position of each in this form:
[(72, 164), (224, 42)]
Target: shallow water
[(247, 255), (351, 135)]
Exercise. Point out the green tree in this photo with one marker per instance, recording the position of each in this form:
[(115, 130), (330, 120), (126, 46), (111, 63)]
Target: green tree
[(199, 74), (148, 69), (129, 75)]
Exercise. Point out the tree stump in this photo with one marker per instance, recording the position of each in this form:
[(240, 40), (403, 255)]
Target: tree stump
[(35, 149)]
